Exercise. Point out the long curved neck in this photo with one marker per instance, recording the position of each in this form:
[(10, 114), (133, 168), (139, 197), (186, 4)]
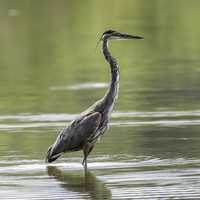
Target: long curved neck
[(112, 92)]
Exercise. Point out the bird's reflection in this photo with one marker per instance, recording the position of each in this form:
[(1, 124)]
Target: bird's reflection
[(80, 182)]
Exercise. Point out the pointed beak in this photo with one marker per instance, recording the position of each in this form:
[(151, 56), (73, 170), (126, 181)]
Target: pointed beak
[(127, 36)]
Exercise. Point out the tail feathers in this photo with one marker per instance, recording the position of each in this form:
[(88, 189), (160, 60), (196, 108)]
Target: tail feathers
[(51, 155)]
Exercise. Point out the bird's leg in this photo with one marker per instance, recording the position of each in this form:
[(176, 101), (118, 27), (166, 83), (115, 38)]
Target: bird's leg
[(86, 151), (85, 154), (90, 149)]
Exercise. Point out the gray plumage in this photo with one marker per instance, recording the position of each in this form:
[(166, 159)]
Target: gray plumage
[(83, 132)]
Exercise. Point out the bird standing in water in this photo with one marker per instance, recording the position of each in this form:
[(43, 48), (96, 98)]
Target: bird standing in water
[(83, 132)]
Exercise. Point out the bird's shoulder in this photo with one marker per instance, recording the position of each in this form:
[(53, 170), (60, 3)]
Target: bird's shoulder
[(84, 124)]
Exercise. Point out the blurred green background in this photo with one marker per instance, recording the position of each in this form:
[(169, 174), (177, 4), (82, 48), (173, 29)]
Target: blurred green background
[(50, 44)]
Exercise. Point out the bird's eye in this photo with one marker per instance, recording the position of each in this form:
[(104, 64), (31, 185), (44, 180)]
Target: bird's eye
[(108, 32)]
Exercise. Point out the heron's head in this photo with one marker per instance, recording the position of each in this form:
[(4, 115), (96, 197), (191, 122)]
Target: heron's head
[(112, 34)]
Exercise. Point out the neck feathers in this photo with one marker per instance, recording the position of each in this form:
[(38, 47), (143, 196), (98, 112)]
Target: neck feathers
[(112, 92)]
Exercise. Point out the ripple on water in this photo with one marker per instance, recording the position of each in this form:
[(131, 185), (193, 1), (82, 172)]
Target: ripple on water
[(82, 86), (127, 176), (115, 115), (168, 118), (142, 178), (97, 163)]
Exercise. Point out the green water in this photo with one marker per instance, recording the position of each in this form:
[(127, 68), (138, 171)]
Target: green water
[(50, 72)]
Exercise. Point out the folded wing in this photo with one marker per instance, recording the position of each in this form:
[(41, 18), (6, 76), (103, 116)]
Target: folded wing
[(73, 137)]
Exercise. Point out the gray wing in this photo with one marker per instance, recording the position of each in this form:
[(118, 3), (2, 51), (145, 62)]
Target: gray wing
[(73, 137)]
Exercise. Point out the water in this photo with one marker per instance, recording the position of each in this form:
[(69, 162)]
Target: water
[(50, 72)]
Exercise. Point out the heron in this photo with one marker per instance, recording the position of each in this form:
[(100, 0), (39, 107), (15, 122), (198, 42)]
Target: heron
[(84, 131)]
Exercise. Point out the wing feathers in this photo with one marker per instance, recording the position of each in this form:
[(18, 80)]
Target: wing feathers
[(74, 136)]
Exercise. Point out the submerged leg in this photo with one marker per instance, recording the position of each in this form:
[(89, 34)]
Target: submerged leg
[(86, 151), (84, 163)]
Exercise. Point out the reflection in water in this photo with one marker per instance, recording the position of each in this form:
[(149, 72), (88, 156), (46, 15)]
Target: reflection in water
[(80, 183)]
